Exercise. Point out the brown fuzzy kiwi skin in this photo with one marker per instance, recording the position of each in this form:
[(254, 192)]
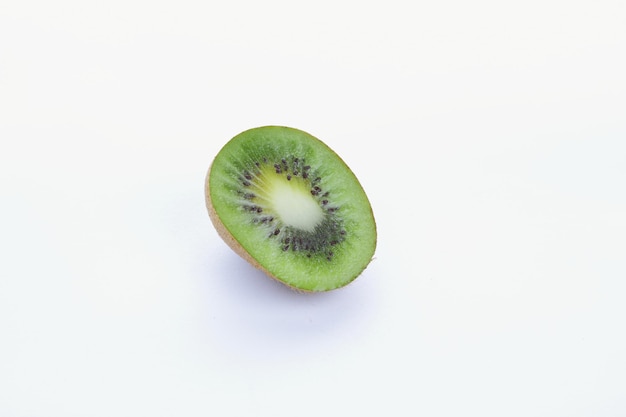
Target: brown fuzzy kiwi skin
[(230, 240)]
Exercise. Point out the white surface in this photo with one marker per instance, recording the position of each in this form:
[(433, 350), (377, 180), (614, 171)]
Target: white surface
[(490, 137)]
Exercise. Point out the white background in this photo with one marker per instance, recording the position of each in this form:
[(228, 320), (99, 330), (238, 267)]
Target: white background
[(490, 137)]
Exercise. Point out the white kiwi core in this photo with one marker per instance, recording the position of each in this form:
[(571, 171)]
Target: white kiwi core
[(293, 203)]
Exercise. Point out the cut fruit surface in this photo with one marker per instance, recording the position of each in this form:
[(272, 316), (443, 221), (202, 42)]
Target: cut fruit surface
[(286, 203)]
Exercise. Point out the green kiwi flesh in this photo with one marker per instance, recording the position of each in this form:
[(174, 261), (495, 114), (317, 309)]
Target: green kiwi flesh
[(290, 206)]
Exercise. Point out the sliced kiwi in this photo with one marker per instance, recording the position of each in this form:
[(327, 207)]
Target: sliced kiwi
[(288, 204)]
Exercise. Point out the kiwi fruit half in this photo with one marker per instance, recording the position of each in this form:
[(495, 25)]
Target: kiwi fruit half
[(289, 205)]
